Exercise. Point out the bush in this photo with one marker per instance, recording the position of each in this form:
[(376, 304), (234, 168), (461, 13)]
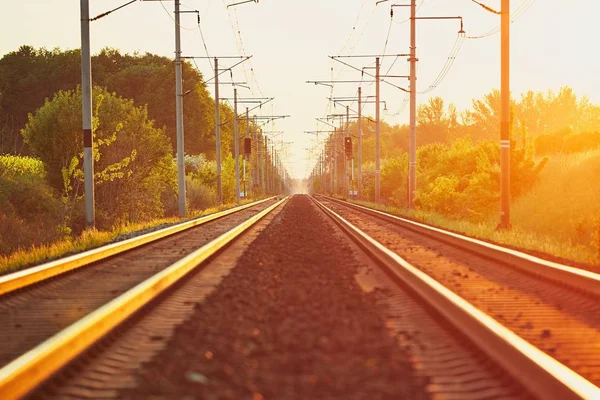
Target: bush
[(460, 179), (134, 170), (30, 210), (199, 196)]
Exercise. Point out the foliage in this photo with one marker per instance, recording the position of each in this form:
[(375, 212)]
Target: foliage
[(199, 196), (21, 166), (30, 211), (28, 76), (203, 180), (228, 178), (134, 172), (567, 141), (394, 179), (460, 180)]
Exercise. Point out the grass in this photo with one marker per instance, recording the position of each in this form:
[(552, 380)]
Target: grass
[(560, 216), (90, 239), (517, 237)]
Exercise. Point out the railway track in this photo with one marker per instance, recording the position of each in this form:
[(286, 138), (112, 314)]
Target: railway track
[(473, 325), (537, 320), (53, 313)]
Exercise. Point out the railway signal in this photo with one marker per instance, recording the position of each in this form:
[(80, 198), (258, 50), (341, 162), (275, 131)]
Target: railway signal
[(348, 147)]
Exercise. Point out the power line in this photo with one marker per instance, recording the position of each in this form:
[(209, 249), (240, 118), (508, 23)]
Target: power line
[(387, 39), (448, 65), (104, 14), (408, 19), (362, 6), (519, 11), (173, 19), (203, 41), (486, 7)]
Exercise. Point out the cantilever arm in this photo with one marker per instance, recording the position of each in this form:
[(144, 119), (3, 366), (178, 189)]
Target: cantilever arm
[(242, 2)]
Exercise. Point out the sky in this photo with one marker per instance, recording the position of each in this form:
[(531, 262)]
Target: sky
[(553, 44)]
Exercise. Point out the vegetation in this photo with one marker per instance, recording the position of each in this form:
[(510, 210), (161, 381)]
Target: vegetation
[(30, 211), (134, 127), (562, 205), (554, 155), (134, 170), (91, 239), (554, 146), (546, 242)]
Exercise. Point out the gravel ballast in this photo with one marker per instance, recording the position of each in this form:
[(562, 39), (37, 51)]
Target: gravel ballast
[(289, 322)]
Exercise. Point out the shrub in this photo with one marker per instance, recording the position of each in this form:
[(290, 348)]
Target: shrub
[(30, 210), (134, 171), (199, 196)]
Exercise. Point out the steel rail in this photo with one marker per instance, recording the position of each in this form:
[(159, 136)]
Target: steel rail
[(541, 374), (42, 272), (29, 370), (573, 277)]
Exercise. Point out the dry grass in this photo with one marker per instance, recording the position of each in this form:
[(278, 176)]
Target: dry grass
[(90, 239), (564, 205), (517, 237)]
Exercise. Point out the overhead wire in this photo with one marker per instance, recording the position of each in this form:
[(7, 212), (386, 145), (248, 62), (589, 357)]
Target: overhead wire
[(203, 42), (174, 20), (239, 33), (356, 41), (235, 25), (408, 19), (519, 11), (460, 40), (362, 6), (448, 65), (490, 9), (387, 39)]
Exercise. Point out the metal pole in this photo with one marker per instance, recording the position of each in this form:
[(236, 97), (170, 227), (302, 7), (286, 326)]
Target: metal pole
[(179, 117), (323, 168), (236, 139), (412, 141), (352, 170), (505, 117), (86, 100), (280, 176), (250, 155), (331, 165), (255, 158), (218, 133), (346, 160), (359, 142), (272, 165), (377, 128), (263, 162), (335, 172), (244, 167)]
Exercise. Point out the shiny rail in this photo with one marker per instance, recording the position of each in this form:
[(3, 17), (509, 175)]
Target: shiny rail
[(26, 372), (573, 277), (33, 275), (541, 374)]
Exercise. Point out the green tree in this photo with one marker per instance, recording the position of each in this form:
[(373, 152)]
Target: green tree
[(27, 77), (30, 210), (134, 170)]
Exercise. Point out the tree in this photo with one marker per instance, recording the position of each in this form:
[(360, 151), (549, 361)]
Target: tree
[(134, 170), (433, 121), (486, 115), (27, 77)]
